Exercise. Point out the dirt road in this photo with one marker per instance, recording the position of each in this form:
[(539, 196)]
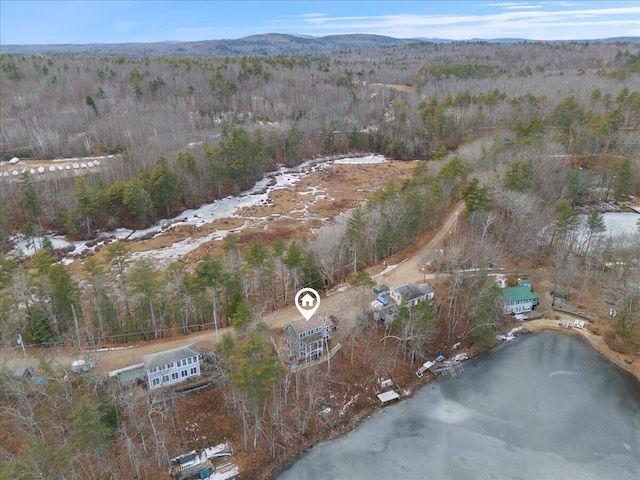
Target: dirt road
[(344, 302)]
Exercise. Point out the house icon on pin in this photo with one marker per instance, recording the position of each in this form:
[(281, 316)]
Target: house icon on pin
[(307, 301)]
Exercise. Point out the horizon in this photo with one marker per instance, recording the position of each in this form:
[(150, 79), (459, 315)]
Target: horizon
[(117, 22)]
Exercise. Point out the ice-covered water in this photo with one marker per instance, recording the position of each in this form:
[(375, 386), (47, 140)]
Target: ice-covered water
[(621, 222), (544, 406)]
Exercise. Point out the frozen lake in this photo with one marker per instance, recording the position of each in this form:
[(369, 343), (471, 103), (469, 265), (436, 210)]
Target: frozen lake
[(544, 406), (621, 222)]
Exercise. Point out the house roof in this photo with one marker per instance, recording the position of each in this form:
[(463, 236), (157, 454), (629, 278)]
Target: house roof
[(23, 371), (303, 325), (411, 291), (514, 294), (170, 356)]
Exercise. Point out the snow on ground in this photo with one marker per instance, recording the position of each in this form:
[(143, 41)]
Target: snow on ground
[(361, 160), (510, 335), (459, 358), (227, 207), (385, 271), (81, 159), (108, 349), (353, 400), (337, 290), (501, 280)]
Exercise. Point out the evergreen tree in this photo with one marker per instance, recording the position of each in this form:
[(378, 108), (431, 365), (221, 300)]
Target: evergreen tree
[(476, 197), (256, 371), (163, 185), (145, 280)]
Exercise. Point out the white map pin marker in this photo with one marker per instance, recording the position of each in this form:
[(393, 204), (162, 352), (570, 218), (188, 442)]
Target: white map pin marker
[(307, 300)]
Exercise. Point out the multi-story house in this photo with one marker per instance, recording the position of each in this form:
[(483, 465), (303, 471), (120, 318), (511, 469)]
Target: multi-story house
[(307, 340), (172, 366)]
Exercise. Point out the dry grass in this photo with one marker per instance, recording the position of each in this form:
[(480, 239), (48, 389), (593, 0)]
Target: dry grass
[(618, 343)]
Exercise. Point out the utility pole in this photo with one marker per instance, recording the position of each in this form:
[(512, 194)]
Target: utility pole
[(21, 343), (75, 322), (215, 313)]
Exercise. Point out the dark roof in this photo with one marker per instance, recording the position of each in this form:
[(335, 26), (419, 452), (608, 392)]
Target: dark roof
[(380, 288), (23, 371), (170, 356), (410, 291), (303, 325)]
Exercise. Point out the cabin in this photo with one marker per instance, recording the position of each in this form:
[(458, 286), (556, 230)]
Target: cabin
[(519, 299), (308, 339), (411, 293), (172, 366)]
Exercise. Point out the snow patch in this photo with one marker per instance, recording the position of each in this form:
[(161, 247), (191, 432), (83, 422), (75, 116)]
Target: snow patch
[(510, 335), (369, 159), (352, 401), (385, 271), (459, 358)]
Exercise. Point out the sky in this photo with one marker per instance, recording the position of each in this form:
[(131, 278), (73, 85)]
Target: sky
[(55, 22)]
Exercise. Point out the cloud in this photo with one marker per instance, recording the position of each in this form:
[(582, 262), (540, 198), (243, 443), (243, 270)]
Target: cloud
[(512, 6), (521, 7), (508, 22)]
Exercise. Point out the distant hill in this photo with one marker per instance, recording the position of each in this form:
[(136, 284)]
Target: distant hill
[(259, 45), (262, 45)]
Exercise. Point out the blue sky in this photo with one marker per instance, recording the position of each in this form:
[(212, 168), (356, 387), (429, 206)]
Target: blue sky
[(46, 21)]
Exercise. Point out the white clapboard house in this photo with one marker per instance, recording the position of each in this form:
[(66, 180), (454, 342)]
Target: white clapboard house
[(172, 366)]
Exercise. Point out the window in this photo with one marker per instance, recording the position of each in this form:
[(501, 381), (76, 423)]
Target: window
[(165, 378), (193, 370), (155, 381), (184, 373), (174, 376), (179, 363), (190, 360)]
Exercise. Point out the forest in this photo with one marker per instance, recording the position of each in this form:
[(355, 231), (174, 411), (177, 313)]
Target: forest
[(524, 135)]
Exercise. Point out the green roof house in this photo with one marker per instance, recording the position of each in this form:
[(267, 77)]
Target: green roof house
[(519, 299)]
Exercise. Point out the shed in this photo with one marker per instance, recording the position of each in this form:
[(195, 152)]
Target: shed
[(378, 289), (388, 396), (526, 283), (23, 372)]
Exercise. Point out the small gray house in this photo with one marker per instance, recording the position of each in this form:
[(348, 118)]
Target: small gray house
[(172, 366), (307, 340), (411, 293)]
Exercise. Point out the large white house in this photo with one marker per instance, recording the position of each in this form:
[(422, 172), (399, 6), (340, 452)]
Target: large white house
[(172, 366)]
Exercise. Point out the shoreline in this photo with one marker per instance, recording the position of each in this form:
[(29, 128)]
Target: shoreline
[(530, 326), (595, 340)]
